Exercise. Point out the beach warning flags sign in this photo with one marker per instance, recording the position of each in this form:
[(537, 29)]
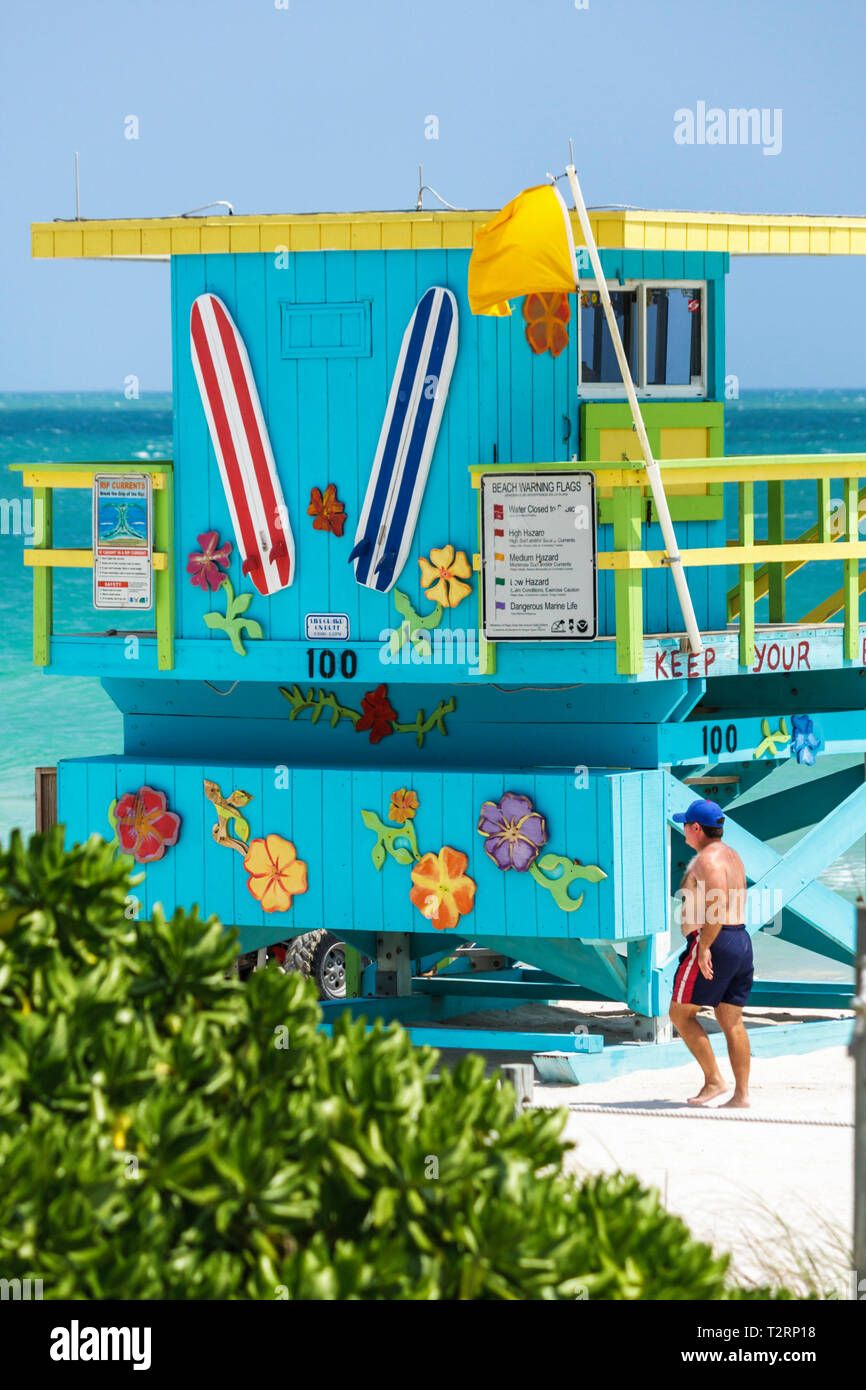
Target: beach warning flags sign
[(526, 248)]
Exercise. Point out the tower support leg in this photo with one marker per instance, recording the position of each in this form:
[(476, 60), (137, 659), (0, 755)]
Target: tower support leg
[(393, 964)]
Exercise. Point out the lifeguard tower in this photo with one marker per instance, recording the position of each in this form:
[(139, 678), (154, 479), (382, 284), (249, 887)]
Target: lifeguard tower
[(484, 743)]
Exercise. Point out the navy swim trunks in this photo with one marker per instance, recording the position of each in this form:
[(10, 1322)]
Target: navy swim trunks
[(733, 970)]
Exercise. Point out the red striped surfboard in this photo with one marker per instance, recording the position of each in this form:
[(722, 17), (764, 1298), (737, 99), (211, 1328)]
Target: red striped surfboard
[(241, 444)]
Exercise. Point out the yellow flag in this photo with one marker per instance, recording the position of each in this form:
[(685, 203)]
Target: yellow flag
[(526, 248)]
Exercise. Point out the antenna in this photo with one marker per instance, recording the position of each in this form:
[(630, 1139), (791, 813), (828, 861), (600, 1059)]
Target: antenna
[(571, 152), (419, 206), (77, 192)]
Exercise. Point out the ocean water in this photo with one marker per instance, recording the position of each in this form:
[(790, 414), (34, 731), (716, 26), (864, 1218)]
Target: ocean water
[(45, 718)]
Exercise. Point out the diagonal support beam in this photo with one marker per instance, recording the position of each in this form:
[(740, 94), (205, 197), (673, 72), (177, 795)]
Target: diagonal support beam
[(828, 913), (594, 964), (817, 850)]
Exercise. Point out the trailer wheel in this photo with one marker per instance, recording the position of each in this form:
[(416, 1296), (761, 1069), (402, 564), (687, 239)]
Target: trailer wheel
[(320, 956)]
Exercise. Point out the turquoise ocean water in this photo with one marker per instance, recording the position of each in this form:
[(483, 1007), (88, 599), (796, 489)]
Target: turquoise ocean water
[(45, 718)]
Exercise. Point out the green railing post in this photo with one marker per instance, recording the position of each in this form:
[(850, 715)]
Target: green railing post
[(850, 573), (628, 584), (825, 529), (747, 576), (163, 538), (43, 576), (776, 536)]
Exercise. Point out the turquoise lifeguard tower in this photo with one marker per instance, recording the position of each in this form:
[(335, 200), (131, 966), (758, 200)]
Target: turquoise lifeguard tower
[(433, 765)]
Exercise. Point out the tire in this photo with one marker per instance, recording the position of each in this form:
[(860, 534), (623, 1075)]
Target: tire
[(320, 956)]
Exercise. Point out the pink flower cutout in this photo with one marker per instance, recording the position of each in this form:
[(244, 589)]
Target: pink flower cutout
[(203, 566), (145, 827)]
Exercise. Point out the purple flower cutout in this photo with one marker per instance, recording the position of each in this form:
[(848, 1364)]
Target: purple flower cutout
[(203, 566), (514, 831)]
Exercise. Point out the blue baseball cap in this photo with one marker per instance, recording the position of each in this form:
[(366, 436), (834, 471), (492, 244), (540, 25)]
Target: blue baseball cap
[(704, 812)]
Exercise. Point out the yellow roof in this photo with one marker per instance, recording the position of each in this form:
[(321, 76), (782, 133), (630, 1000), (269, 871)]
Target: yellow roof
[(157, 238)]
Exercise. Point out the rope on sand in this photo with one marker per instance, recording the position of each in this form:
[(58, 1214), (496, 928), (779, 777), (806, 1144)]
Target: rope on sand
[(706, 1112)]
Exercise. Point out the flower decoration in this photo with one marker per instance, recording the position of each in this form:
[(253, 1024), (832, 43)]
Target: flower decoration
[(203, 566), (377, 715), (514, 831), (328, 510), (443, 892), (276, 874), (546, 316), (442, 576), (145, 826), (805, 744), (403, 806)]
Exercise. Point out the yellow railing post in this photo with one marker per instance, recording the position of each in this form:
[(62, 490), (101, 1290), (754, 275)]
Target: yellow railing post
[(747, 575)]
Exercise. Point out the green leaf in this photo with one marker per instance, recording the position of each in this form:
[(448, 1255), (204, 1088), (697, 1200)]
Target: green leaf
[(569, 870)]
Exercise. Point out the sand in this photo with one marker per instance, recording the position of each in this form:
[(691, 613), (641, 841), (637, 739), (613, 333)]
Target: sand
[(778, 1196)]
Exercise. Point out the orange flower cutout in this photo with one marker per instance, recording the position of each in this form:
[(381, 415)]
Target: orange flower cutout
[(546, 316), (443, 892), (442, 576), (403, 806), (276, 874), (329, 511)]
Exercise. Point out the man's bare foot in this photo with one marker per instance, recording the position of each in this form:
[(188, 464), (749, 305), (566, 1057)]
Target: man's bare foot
[(737, 1103), (710, 1090)]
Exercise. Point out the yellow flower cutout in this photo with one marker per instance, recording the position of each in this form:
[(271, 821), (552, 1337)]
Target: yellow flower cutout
[(403, 806), (276, 874), (444, 572)]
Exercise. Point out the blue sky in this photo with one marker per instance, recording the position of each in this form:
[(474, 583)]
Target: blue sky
[(323, 104)]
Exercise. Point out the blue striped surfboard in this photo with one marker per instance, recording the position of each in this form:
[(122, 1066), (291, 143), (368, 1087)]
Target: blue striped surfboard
[(406, 441)]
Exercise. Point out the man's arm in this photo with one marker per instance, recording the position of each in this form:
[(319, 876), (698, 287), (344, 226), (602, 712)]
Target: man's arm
[(686, 895), (711, 907)]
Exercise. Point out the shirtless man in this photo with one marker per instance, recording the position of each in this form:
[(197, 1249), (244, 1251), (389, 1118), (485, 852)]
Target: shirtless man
[(716, 966)]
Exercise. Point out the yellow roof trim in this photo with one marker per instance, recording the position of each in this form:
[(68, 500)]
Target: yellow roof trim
[(157, 238)]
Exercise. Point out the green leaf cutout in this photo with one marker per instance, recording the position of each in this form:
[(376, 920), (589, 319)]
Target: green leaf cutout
[(567, 871), (387, 837)]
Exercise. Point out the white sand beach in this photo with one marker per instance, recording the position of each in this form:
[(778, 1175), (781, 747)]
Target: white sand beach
[(775, 1189)]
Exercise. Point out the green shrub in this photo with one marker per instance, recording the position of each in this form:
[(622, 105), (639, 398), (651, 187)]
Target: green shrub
[(166, 1132)]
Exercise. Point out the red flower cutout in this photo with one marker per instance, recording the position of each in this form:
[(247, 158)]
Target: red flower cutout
[(377, 715), (329, 511), (546, 316), (145, 827), (203, 566)]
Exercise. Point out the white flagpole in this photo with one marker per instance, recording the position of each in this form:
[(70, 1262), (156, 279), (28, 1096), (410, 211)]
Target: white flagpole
[(652, 469)]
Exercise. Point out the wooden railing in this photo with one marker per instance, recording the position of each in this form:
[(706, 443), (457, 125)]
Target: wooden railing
[(43, 558), (764, 566)]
